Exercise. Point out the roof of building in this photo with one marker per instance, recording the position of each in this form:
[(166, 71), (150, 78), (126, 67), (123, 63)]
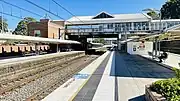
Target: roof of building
[(105, 17), (35, 39)]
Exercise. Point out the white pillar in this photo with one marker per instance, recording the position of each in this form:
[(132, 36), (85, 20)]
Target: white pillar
[(132, 26), (57, 47)]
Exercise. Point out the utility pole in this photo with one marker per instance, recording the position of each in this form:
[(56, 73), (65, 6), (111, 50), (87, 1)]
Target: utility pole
[(157, 42), (160, 14), (2, 25)]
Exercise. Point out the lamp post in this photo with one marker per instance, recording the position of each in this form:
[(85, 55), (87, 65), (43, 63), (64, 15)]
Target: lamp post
[(160, 27), (2, 26)]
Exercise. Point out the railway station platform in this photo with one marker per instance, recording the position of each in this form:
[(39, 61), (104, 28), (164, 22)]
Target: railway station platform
[(113, 76), (14, 60)]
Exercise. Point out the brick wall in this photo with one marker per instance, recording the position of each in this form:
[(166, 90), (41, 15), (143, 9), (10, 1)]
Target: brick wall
[(42, 26), (48, 29)]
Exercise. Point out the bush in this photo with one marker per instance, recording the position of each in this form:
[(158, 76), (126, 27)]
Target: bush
[(177, 72), (169, 88)]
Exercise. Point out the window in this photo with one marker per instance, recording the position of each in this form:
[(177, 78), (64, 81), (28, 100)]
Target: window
[(37, 33)]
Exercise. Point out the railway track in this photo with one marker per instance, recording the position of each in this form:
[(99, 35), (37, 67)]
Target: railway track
[(24, 78), (70, 71)]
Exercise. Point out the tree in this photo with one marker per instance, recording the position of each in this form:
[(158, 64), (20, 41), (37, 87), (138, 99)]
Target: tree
[(99, 40), (153, 14), (171, 10), (22, 27), (5, 24)]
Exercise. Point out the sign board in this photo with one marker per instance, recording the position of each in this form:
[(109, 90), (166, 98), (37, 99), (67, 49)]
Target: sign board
[(81, 76)]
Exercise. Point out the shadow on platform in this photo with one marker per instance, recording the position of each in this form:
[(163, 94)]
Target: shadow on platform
[(135, 66), (138, 98)]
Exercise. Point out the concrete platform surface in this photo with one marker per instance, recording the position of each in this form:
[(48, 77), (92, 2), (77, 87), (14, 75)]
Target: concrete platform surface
[(69, 90), (133, 73), (31, 58), (123, 78)]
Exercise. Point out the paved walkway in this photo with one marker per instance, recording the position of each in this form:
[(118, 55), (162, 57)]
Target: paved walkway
[(69, 90), (133, 73), (122, 77), (87, 92), (173, 60)]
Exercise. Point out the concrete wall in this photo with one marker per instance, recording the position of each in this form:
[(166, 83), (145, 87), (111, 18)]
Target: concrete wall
[(139, 48), (173, 60)]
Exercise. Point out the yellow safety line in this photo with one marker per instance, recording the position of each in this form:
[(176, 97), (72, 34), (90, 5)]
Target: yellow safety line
[(74, 95)]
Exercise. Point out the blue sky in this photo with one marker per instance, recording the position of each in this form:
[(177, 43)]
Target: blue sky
[(78, 7)]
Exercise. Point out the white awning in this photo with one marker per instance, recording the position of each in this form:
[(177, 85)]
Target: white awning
[(35, 39)]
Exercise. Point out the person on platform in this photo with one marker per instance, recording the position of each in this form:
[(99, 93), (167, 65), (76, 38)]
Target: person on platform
[(164, 55)]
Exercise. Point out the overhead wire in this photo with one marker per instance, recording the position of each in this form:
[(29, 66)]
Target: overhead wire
[(67, 10), (11, 15), (20, 8), (47, 10)]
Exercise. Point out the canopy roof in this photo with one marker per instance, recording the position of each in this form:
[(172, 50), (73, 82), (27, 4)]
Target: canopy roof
[(105, 17), (35, 39)]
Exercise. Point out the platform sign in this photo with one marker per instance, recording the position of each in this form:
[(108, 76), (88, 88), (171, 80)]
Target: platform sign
[(81, 76)]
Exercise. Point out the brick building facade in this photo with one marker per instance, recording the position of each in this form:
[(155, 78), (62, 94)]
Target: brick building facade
[(47, 29)]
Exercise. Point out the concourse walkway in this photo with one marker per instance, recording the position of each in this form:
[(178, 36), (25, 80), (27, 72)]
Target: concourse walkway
[(132, 73), (112, 77)]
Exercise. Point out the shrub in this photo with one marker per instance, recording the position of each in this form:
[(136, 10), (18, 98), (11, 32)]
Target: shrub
[(169, 88), (177, 72)]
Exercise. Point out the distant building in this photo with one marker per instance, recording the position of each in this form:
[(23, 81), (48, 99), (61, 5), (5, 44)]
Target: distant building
[(47, 29)]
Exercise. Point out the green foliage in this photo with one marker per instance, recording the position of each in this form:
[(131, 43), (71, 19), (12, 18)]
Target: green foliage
[(171, 9), (177, 72), (22, 27), (99, 40), (169, 88), (5, 24), (153, 14)]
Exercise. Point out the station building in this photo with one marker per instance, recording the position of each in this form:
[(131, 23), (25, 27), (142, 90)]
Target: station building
[(120, 26), (118, 23), (102, 25)]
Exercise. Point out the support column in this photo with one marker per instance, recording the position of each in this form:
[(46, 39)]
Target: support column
[(150, 26), (159, 46), (132, 26), (36, 50), (57, 48), (156, 44)]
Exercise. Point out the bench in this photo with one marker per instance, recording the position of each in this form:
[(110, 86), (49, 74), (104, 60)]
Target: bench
[(154, 57)]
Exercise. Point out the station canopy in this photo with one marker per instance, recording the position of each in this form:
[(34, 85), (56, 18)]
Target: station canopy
[(105, 17), (35, 39)]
